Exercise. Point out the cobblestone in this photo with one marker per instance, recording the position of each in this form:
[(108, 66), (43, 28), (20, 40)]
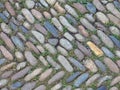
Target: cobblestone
[(59, 44)]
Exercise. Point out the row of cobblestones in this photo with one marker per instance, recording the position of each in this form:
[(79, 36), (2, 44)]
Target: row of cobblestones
[(60, 45)]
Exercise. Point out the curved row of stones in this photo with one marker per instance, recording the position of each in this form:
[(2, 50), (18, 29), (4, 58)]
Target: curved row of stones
[(59, 45)]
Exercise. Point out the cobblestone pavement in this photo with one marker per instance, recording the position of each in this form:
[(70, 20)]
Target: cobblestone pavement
[(59, 44)]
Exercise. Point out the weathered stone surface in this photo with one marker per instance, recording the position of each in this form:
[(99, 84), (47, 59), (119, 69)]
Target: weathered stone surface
[(6, 53), (51, 28), (62, 51), (66, 44), (29, 86), (95, 49), (83, 49), (79, 37), (82, 78), (114, 19), (40, 28), (95, 39), (99, 5), (77, 64), (90, 65), (59, 44), (37, 14), (83, 31), (29, 3), (42, 59), (50, 48), (117, 4), (72, 77), (41, 87), (10, 8), (71, 19), (91, 8), (90, 17), (107, 52), (28, 15), (80, 7), (103, 79), (92, 79), (38, 36), (115, 40), (3, 82), (45, 74), (65, 63), (19, 55), (53, 63), (5, 28), (105, 39), (113, 10), (56, 77), (51, 2), (59, 8), (102, 88), (114, 30), (111, 65), (53, 41), (33, 74), (114, 88), (69, 36), (44, 3), (21, 65), (100, 65), (102, 17), (16, 85), (57, 23), (7, 66), (87, 24), (20, 74), (115, 80), (79, 54), (71, 10), (57, 86), (65, 23), (30, 58), (18, 42), (32, 47)]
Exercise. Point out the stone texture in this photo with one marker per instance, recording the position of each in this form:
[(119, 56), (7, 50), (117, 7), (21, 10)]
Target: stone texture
[(20, 74), (28, 15), (114, 19), (102, 17), (90, 65), (59, 44), (30, 58), (10, 8), (95, 49), (105, 39), (56, 77), (111, 65), (65, 63), (66, 44), (99, 5)]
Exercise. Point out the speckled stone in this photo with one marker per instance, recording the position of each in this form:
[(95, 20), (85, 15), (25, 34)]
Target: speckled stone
[(111, 65), (72, 77), (91, 8), (100, 65), (77, 64), (65, 63), (56, 77), (107, 52), (82, 78), (51, 28)]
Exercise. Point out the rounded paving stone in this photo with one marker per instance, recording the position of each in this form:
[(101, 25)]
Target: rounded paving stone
[(59, 44)]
